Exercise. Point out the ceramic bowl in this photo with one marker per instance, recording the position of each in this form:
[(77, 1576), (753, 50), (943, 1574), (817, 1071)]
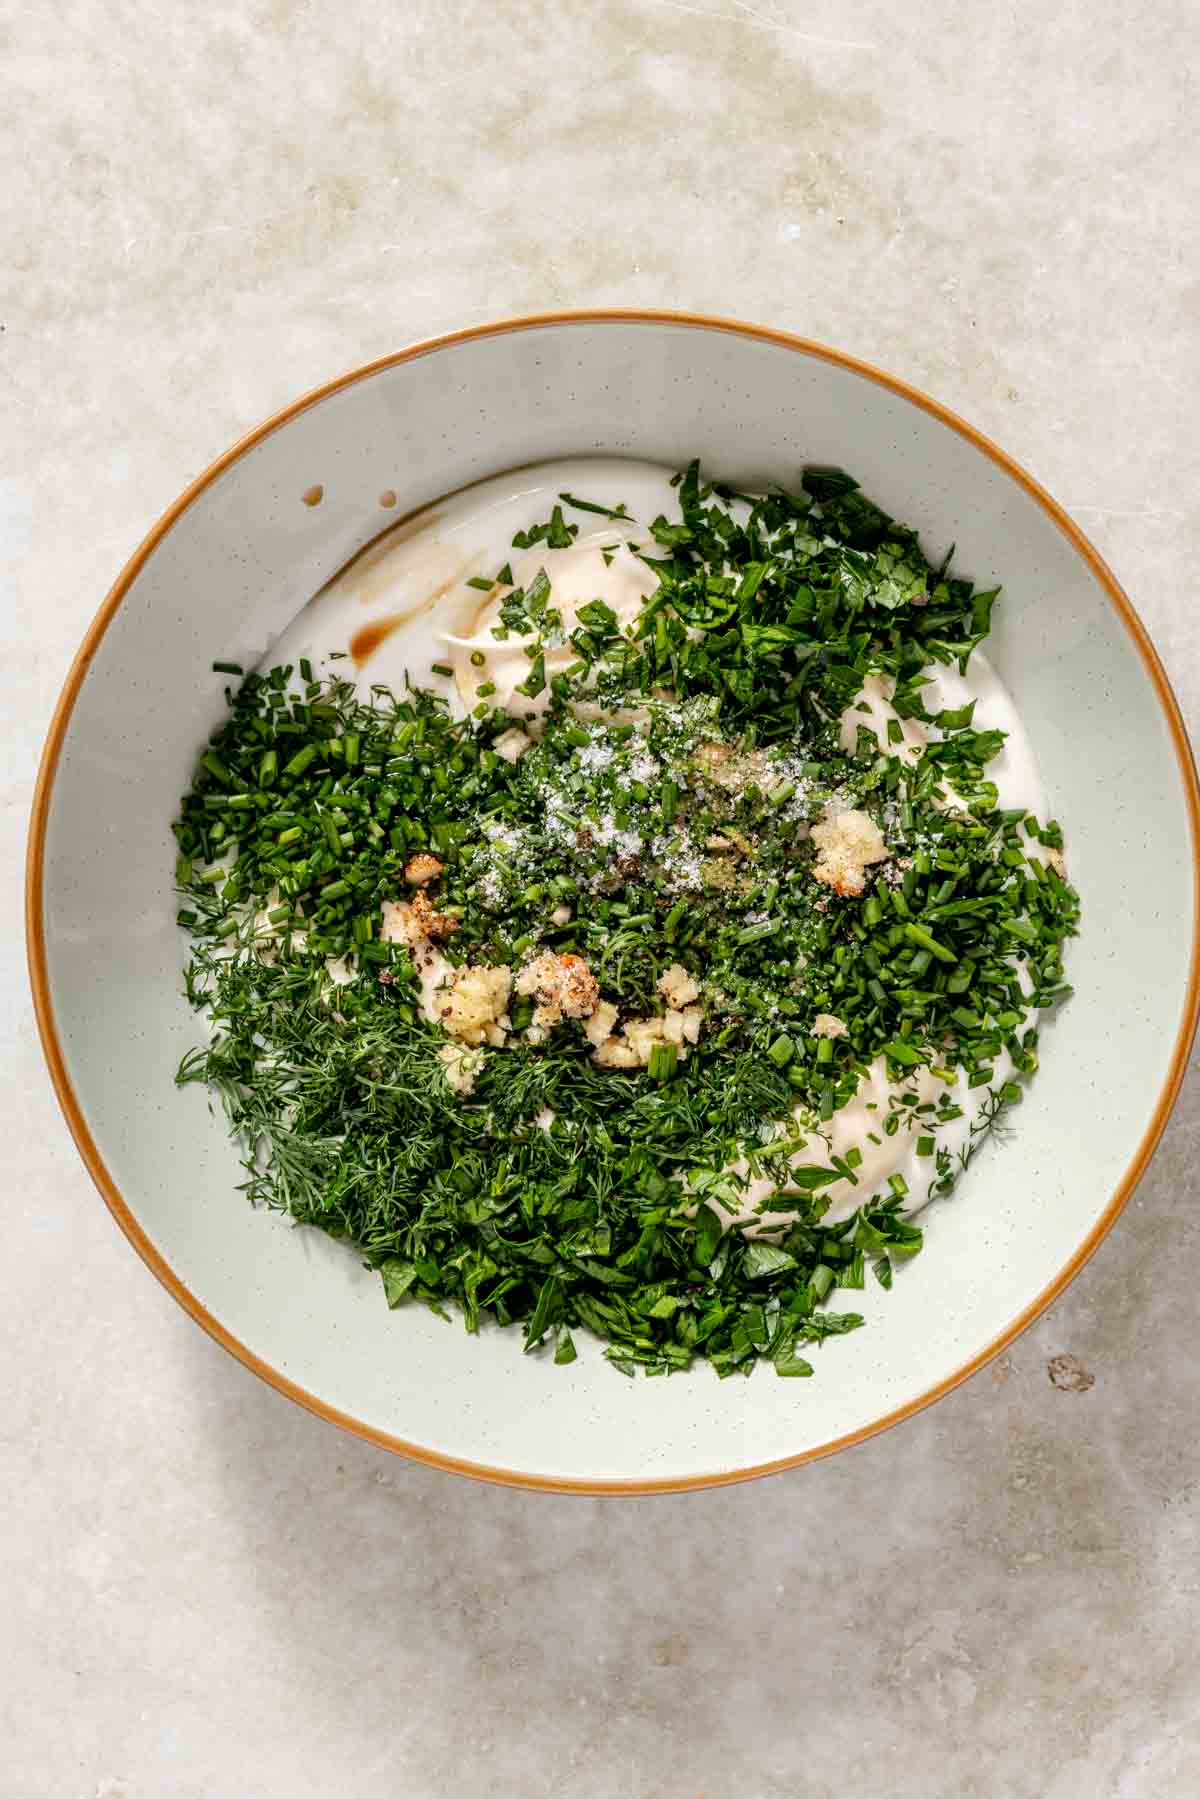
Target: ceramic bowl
[(224, 570)]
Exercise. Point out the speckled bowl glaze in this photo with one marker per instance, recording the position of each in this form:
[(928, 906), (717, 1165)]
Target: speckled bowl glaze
[(234, 559)]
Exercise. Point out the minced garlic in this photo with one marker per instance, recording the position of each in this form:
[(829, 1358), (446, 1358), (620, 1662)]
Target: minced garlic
[(677, 986), (847, 844), (422, 868), (473, 1004), (641, 1036), (564, 987)]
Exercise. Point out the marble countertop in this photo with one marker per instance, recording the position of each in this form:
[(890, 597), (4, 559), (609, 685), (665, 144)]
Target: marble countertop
[(208, 1594)]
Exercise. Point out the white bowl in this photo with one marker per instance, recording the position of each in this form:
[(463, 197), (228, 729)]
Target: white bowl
[(221, 574)]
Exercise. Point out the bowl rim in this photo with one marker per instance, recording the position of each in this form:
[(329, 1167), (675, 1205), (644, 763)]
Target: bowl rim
[(35, 895)]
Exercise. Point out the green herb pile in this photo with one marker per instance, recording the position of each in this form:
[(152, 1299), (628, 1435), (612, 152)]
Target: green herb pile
[(558, 1193)]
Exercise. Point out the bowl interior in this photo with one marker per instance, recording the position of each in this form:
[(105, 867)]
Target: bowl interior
[(237, 562)]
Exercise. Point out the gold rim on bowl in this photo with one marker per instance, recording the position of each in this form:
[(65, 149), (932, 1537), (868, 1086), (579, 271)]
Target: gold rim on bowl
[(36, 937)]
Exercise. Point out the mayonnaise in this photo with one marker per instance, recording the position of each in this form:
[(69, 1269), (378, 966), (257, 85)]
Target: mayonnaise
[(591, 569)]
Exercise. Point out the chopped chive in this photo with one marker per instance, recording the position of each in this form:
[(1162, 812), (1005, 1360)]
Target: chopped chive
[(302, 760), (215, 767), (674, 919), (918, 934), (756, 933)]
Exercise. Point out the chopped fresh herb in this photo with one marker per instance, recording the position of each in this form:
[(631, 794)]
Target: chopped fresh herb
[(591, 506), (524, 1166)]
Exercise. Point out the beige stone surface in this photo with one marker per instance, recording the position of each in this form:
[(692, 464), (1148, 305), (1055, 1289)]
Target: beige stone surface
[(206, 1593)]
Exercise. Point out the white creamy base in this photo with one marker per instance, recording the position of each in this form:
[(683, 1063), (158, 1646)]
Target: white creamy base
[(599, 565), (408, 596), (417, 573)]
